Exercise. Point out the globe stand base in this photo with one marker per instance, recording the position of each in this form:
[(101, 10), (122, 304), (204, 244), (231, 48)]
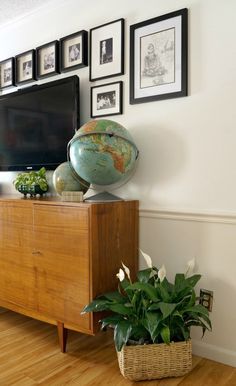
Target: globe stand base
[(103, 197)]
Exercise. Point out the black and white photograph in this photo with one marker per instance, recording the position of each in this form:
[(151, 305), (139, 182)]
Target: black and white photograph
[(107, 50), (158, 62), (7, 73), (47, 59), (106, 99), (25, 67), (74, 51)]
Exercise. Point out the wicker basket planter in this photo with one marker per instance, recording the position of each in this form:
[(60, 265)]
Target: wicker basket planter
[(155, 361)]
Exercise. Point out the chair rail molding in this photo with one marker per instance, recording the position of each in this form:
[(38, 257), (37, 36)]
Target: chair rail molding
[(185, 215)]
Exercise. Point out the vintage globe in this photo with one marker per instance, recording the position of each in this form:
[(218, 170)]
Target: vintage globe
[(102, 152), (65, 179)]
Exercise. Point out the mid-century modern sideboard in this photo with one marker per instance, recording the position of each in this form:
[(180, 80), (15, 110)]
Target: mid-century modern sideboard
[(55, 257)]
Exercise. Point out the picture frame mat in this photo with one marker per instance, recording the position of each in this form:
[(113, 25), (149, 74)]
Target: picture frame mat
[(112, 30), (101, 91), (44, 51), (20, 61), (68, 43), (6, 65), (153, 28)]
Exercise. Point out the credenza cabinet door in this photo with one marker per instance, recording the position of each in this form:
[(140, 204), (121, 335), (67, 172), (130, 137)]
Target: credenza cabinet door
[(17, 270), (61, 258)]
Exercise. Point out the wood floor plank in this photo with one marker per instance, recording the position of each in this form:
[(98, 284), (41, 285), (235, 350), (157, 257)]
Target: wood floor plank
[(30, 356)]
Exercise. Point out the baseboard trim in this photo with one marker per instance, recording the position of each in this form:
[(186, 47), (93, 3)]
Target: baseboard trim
[(210, 217), (214, 353)]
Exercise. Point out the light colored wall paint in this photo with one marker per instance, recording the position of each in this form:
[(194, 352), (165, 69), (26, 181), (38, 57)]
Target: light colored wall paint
[(174, 240), (187, 145)]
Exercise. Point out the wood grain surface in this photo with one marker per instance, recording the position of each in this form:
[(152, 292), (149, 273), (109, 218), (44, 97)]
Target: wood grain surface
[(29, 356)]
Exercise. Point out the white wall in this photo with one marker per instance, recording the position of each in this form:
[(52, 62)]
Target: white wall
[(186, 176)]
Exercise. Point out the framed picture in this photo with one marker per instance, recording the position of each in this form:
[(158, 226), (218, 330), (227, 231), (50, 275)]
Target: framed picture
[(158, 58), (7, 73), (25, 67), (107, 50), (106, 99), (74, 51), (47, 59)]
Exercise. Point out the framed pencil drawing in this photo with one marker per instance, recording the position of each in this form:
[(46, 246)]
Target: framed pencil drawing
[(74, 51), (47, 60), (158, 58), (7, 73), (106, 99), (25, 67), (107, 50)]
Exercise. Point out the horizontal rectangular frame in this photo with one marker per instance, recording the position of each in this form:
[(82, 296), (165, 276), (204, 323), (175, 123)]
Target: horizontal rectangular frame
[(110, 91)]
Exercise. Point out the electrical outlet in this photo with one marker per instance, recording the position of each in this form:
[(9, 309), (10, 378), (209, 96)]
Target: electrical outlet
[(206, 299)]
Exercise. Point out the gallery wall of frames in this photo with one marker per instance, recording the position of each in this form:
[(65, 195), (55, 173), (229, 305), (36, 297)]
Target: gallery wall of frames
[(158, 61)]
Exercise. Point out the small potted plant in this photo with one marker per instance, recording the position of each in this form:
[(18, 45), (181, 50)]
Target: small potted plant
[(33, 182), (152, 318)]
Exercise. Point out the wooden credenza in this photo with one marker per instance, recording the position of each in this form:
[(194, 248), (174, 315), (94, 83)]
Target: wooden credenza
[(55, 257)]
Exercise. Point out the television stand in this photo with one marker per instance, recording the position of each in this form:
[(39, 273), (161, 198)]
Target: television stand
[(55, 257)]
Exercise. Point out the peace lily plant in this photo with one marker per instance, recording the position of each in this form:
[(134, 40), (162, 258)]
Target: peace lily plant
[(152, 309)]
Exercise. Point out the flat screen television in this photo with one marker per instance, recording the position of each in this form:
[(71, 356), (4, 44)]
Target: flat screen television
[(36, 123)]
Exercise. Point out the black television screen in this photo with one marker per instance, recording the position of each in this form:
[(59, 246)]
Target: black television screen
[(36, 123)]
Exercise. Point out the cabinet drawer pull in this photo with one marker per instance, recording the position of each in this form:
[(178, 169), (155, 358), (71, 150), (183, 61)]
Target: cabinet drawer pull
[(36, 253)]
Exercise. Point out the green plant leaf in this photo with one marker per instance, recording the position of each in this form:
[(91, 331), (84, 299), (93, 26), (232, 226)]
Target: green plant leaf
[(154, 306), (167, 309), (179, 280), (96, 305), (122, 333), (145, 287), (110, 321), (163, 293), (165, 334), (198, 308), (192, 281), (153, 320), (144, 275), (115, 296), (120, 309)]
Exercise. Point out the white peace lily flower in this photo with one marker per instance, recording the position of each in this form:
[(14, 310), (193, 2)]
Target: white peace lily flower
[(127, 271), (162, 273), (120, 275), (147, 258), (190, 267)]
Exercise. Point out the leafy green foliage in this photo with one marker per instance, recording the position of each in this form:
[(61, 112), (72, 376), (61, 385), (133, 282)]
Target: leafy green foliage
[(151, 310), (31, 179)]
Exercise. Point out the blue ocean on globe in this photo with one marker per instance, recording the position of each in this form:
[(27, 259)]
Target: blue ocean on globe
[(102, 152)]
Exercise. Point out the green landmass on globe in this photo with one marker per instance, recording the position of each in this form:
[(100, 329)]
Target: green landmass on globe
[(102, 152)]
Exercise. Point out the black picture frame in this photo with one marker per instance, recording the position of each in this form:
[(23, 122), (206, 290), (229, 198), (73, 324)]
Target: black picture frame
[(159, 58), (47, 59), (74, 51), (107, 99), (105, 61), (25, 67), (7, 73)]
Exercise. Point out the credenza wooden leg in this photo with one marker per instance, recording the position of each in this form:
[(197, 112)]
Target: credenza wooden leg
[(62, 335)]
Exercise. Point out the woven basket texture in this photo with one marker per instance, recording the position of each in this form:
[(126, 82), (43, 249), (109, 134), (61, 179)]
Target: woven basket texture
[(155, 361)]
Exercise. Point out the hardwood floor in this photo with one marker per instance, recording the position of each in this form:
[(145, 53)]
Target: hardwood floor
[(30, 355)]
